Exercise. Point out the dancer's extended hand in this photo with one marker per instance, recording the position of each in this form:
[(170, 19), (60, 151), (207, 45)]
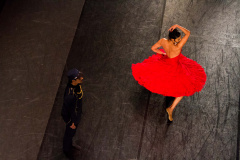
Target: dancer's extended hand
[(73, 126), (160, 52), (173, 27)]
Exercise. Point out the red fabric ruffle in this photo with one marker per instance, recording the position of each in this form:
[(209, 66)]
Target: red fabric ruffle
[(175, 77)]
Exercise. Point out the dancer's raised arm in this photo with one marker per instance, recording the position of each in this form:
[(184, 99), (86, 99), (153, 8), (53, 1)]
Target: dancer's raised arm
[(185, 31)]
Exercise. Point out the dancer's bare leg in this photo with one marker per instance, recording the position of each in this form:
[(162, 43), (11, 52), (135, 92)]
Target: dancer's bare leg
[(171, 108)]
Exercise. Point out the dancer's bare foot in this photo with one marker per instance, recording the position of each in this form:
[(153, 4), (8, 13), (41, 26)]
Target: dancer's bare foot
[(169, 111)]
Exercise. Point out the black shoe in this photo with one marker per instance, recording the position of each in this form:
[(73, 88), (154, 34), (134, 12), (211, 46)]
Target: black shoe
[(69, 154)]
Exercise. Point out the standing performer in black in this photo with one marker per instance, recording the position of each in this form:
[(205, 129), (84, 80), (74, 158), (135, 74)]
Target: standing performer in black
[(72, 109)]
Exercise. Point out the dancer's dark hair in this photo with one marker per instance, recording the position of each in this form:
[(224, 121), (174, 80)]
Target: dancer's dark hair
[(174, 34)]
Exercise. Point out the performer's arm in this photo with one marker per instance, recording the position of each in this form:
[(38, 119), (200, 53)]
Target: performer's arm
[(70, 101), (156, 46), (185, 38)]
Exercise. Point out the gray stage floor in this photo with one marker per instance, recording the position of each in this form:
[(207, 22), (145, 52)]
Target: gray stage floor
[(35, 40), (123, 121)]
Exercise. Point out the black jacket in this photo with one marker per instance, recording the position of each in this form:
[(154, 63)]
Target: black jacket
[(72, 104)]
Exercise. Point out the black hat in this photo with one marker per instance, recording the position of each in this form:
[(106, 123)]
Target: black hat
[(74, 74)]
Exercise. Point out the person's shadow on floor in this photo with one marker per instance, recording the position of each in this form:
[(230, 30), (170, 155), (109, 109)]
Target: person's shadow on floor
[(167, 102)]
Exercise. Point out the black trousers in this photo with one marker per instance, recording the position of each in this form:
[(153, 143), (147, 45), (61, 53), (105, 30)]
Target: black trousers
[(68, 136)]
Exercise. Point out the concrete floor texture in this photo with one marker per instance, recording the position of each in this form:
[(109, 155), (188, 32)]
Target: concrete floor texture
[(41, 40)]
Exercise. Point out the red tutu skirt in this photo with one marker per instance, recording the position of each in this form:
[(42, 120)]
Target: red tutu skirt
[(175, 77)]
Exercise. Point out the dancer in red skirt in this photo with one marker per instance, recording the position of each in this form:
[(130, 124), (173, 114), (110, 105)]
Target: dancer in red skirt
[(168, 72)]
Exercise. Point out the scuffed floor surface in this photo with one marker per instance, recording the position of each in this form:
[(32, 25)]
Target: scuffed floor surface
[(123, 121)]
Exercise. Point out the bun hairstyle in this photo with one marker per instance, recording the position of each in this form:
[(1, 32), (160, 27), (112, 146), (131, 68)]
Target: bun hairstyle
[(174, 34)]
